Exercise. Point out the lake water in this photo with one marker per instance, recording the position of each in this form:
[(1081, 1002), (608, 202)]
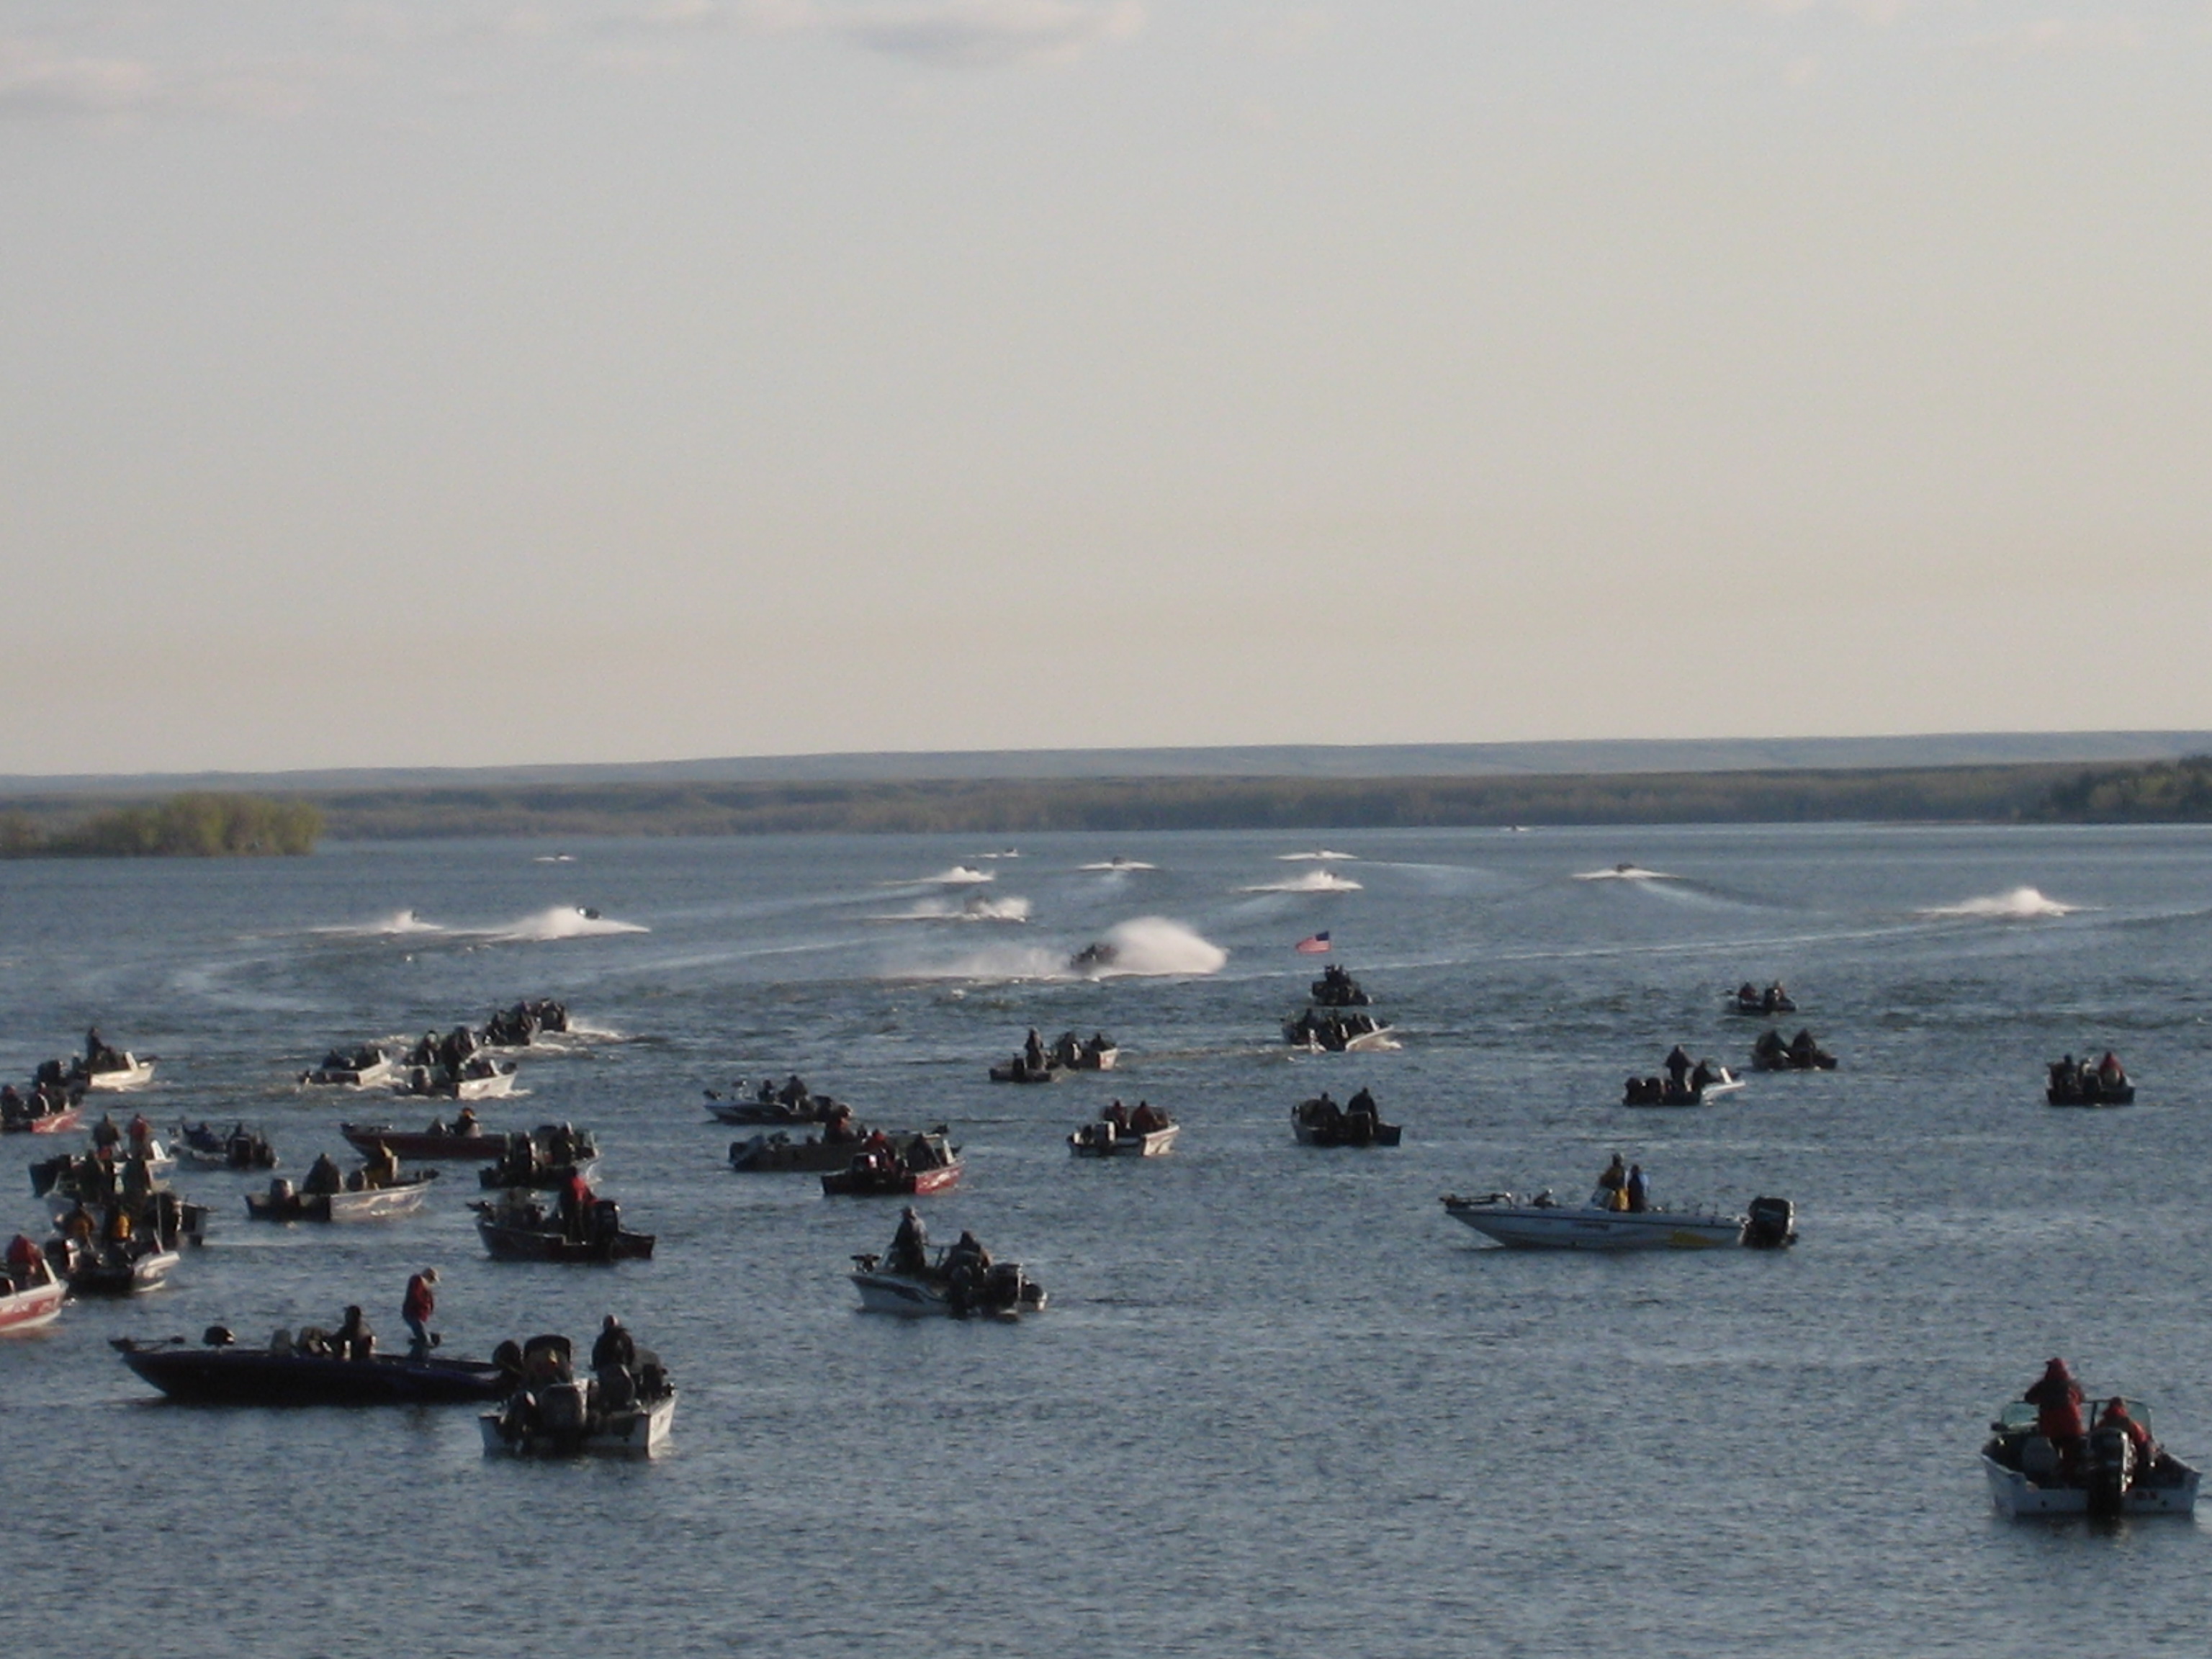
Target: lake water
[(1280, 1403)]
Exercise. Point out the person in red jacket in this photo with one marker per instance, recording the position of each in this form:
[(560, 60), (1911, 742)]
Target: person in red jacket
[(422, 1301), (2056, 1398)]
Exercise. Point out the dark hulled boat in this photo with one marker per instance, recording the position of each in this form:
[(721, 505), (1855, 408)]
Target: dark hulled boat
[(221, 1375)]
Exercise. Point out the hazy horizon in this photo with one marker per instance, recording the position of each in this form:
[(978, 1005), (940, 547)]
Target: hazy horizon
[(481, 383)]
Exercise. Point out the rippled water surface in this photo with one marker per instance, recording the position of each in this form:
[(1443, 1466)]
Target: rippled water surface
[(1280, 1403)]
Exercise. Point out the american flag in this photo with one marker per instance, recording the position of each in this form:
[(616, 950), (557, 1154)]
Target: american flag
[(1317, 946)]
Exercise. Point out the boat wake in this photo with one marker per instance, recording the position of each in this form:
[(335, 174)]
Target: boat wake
[(1148, 946), (1319, 854), (2020, 904), (960, 875), (397, 923), (1314, 881), (560, 921), (1144, 947), (1110, 865), (975, 907), (1625, 872)]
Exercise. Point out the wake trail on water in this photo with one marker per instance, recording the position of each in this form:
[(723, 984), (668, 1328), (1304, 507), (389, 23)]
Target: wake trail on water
[(560, 921), (397, 923), (975, 908), (960, 875), (1142, 947), (1321, 853), (1625, 872), (2018, 904), (1314, 881)]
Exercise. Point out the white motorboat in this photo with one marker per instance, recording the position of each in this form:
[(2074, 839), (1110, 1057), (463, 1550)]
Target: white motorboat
[(1103, 1140), (1006, 1293), (1543, 1223), (366, 1067), (2108, 1476), (639, 1430), (127, 1073), (31, 1296)]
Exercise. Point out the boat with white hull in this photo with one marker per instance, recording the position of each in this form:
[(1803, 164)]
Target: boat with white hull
[(1542, 1223), (2028, 1476)]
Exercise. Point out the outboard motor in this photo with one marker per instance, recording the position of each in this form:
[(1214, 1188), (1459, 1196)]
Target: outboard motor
[(1770, 1224), (217, 1336), (2111, 1469)]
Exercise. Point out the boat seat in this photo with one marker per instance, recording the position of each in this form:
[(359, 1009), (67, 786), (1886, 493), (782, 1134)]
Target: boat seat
[(2038, 1458)]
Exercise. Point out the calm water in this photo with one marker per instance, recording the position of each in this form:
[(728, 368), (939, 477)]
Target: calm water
[(1280, 1404)]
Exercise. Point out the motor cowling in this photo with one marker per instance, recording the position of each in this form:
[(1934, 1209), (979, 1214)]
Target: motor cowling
[(2111, 1469), (1770, 1224)]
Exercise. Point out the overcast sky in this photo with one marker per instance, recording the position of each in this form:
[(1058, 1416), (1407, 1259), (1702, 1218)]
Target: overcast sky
[(468, 383)]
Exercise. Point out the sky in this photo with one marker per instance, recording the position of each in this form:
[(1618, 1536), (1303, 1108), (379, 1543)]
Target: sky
[(482, 383)]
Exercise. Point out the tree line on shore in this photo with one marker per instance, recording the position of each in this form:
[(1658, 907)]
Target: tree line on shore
[(184, 826), (207, 825)]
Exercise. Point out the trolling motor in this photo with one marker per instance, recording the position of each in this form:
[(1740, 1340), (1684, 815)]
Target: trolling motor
[(1770, 1224)]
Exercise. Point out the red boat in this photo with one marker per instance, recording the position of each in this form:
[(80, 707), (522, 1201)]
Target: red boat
[(52, 1123), (924, 1163)]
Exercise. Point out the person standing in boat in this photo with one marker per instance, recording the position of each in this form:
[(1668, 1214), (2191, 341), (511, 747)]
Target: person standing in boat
[(1033, 1050), (2056, 1398), (1639, 1189), (422, 1301), (1616, 1177), (909, 1250), (614, 1347), (574, 1204), (354, 1340)]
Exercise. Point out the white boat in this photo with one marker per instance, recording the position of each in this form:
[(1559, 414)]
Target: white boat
[(2028, 1477), (478, 1083), (1009, 1294), (1542, 1223), (132, 1074), (1100, 1141), (365, 1068), (34, 1303), (640, 1430)]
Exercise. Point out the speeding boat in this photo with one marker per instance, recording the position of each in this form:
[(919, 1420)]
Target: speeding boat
[(364, 1202), (623, 1411), (221, 1374), (1094, 959), (31, 1295), (1543, 1223), (2107, 1475), (520, 1025), (526, 1232), (1018, 1070), (363, 1066), (1007, 1292), (774, 1114), (1107, 1139)]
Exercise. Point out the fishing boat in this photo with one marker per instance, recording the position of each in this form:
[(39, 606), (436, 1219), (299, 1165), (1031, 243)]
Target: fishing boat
[(621, 1411), (1543, 1223), (364, 1066), (112, 1270), (2108, 1475), (465, 1142), (365, 1202), (221, 1374), (779, 1154), (1322, 1122), (526, 1232), (1104, 1139), (240, 1148), (909, 1167), (31, 1294), (1006, 1293), (43, 1114), (113, 1072)]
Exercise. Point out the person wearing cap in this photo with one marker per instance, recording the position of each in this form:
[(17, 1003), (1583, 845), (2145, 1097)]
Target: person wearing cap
[(421, 1303), (2056, 1398), (2116, 1415), (614, 1347)]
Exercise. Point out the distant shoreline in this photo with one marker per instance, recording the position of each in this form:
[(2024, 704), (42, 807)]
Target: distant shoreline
[(2045, 792)]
